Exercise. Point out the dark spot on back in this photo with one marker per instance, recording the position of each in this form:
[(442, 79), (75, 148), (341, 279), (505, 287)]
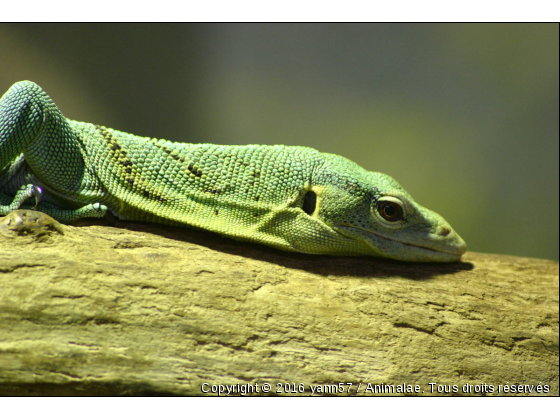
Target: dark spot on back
[(193, 170)]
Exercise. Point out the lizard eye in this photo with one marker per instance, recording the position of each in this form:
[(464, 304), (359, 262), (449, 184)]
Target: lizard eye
[(390, 211)]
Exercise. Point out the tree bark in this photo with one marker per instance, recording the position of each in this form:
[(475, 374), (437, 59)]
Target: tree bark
[(142, 309)]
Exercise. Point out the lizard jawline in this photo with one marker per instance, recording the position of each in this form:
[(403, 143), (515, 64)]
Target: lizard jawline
[(425, 249)]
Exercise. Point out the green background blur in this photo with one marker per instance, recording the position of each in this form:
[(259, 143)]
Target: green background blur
[(464, 116)]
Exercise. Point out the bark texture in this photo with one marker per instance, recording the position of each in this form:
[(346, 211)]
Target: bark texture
[(152, 310)]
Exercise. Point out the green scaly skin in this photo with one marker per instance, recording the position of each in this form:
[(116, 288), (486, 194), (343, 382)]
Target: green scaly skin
[(288, 197)]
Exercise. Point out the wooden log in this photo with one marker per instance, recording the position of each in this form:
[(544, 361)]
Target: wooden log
[(142, 309)]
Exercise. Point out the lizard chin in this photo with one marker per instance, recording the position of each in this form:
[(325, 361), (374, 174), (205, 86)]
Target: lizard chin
[(433, 248)]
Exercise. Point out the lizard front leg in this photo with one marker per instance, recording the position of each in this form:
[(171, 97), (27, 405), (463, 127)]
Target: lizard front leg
[(32, 127), (24, 193), (9, 204)]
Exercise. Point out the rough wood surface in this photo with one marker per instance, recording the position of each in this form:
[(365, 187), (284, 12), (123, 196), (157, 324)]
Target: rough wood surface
[(143, 310)]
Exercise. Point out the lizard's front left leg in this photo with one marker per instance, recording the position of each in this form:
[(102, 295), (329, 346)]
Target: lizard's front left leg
[(24, 193), (9, 204), (30, 123)]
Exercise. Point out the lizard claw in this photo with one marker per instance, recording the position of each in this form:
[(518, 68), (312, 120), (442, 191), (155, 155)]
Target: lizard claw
[(37, 192)]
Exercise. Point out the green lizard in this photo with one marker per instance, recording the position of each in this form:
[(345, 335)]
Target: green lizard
[(288, 197)]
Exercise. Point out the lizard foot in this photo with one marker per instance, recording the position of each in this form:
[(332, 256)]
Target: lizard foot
[(95, 210), (23, 194)]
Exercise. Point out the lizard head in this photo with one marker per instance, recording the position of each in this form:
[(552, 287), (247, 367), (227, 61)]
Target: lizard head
[(380, 218)]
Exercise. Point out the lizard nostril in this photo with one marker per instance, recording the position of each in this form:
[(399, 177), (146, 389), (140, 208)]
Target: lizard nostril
[(444, 231)]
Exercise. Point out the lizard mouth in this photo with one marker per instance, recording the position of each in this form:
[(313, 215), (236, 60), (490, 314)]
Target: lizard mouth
[(441, 250), (452, 250)]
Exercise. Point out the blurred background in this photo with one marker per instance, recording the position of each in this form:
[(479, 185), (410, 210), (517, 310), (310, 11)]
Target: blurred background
[(464, 116)]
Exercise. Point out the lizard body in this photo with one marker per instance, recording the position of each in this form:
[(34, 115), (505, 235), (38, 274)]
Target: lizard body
[(289, 197)]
